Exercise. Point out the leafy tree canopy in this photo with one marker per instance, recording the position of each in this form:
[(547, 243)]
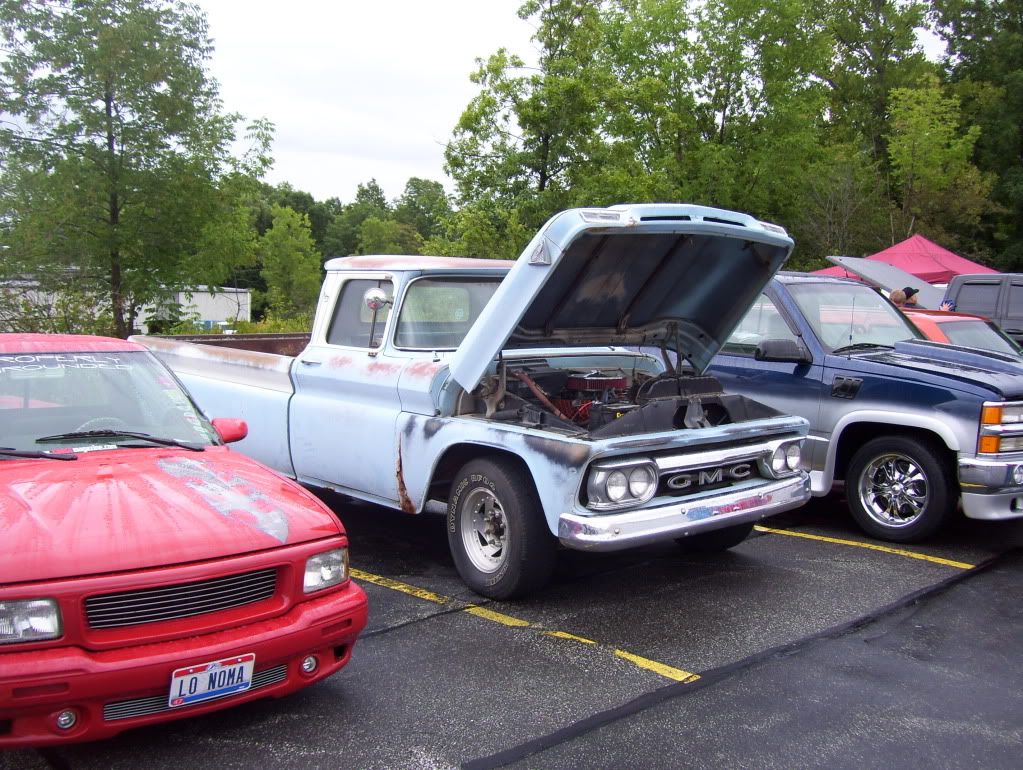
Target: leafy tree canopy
[(115, 178)]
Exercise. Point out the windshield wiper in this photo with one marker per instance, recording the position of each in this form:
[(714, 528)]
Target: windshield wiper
[(123, 433), (9, 451), (861, 346)]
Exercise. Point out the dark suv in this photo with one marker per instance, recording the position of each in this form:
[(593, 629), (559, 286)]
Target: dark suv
[(998, 296)]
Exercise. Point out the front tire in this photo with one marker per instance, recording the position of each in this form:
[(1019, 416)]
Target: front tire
[(497, 532), (899, 489)]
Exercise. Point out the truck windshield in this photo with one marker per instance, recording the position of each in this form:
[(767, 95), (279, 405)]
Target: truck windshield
[(437, 313), (844, 315), (979, 334), (45, 394)]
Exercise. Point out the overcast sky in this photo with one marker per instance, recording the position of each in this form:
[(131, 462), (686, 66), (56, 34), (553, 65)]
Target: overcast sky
[(357, 90)]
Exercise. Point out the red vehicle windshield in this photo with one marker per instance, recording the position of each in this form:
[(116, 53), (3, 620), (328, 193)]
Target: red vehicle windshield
[(975, 333), (47, 394)]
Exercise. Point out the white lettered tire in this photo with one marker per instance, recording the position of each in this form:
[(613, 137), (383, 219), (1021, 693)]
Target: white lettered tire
[(497, 532)]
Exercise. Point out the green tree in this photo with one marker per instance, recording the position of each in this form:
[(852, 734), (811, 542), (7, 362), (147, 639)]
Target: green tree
[(938, 185), (291, 265), (845, 209), (342, 235), (115, 164), (985, 67), (483, 229), (388, 236), (519, 137), (423, 205), (876, 51)]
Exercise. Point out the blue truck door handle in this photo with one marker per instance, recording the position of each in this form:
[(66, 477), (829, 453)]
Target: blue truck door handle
[(309, 362)]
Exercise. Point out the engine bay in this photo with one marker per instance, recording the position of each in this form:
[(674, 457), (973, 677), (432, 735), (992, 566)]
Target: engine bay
[(607, 402)]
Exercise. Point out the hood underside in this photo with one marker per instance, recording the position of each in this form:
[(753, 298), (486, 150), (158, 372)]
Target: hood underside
[(655, 274)]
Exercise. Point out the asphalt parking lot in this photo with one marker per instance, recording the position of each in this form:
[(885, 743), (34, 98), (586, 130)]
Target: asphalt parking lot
[(806, 646)]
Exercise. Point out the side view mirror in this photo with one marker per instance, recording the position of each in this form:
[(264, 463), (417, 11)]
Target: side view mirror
[(782, 350), (376, 299), (231, 429)]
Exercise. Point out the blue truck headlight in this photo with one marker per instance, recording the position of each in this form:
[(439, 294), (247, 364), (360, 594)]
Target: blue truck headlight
[(620, 484), (31, 620), (325, 569)]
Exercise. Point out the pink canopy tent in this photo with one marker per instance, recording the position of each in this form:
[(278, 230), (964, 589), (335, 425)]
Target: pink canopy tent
[(920, 257)]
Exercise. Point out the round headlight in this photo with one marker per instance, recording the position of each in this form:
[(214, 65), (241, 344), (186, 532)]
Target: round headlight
[(617, 486), (1017, 475), (640, 481), (778, 464), (793, 455)]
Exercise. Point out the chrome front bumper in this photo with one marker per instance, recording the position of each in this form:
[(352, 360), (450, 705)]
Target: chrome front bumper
[(988, 489), (617, 531)]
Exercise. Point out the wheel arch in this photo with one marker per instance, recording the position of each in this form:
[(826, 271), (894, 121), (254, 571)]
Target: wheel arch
[(855, 433), (457, 455)]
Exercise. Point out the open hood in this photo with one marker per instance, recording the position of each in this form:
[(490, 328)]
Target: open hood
[(647, 274), (890, 277)]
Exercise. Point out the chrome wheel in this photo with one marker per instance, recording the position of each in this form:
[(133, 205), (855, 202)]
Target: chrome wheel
[(893, 490), (484, 530)]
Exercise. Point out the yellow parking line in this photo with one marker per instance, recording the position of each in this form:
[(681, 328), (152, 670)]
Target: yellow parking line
[(662, 669), (869, 547), (497, 617), (394, 585), (668, 672), (570, 637)]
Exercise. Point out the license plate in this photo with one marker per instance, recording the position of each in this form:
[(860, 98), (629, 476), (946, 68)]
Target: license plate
[(206, 681)]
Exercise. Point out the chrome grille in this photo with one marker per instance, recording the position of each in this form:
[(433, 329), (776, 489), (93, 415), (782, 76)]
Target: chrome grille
[(684, 481), (152, 605), (126, 709)]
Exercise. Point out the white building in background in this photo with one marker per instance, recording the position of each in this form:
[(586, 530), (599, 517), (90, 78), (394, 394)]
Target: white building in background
[(210, 309)]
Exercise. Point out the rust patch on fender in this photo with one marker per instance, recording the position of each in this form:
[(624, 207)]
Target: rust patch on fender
[(423, 369), (403, 499)]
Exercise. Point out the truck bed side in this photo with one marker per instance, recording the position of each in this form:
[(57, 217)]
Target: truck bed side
[(231, 382)]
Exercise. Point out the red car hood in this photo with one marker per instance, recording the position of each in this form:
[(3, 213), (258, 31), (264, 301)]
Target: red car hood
[(117, 510)]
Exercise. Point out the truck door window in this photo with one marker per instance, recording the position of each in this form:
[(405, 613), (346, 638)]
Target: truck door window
[(1015, 301), (763, 322), (353, 322), (979, 298), (436, 313)]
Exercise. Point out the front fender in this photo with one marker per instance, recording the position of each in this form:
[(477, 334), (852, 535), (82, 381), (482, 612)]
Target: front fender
[(917, 420)]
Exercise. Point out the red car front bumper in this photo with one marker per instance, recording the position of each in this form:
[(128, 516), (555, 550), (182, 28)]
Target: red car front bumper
[(114, 690)]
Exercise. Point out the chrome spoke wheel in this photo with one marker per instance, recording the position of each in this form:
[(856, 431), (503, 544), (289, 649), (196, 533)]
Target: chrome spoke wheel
[(893, 490), (484, 530)]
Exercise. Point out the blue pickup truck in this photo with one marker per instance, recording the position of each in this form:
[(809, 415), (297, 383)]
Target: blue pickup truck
[(911, 427)]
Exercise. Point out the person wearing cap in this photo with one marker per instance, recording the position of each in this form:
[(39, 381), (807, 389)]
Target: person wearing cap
[(904, 297)]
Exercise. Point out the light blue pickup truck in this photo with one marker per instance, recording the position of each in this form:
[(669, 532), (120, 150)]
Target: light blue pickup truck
[(510, 395)]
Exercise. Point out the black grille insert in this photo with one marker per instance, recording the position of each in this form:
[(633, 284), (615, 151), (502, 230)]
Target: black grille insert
[(153, 605)]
